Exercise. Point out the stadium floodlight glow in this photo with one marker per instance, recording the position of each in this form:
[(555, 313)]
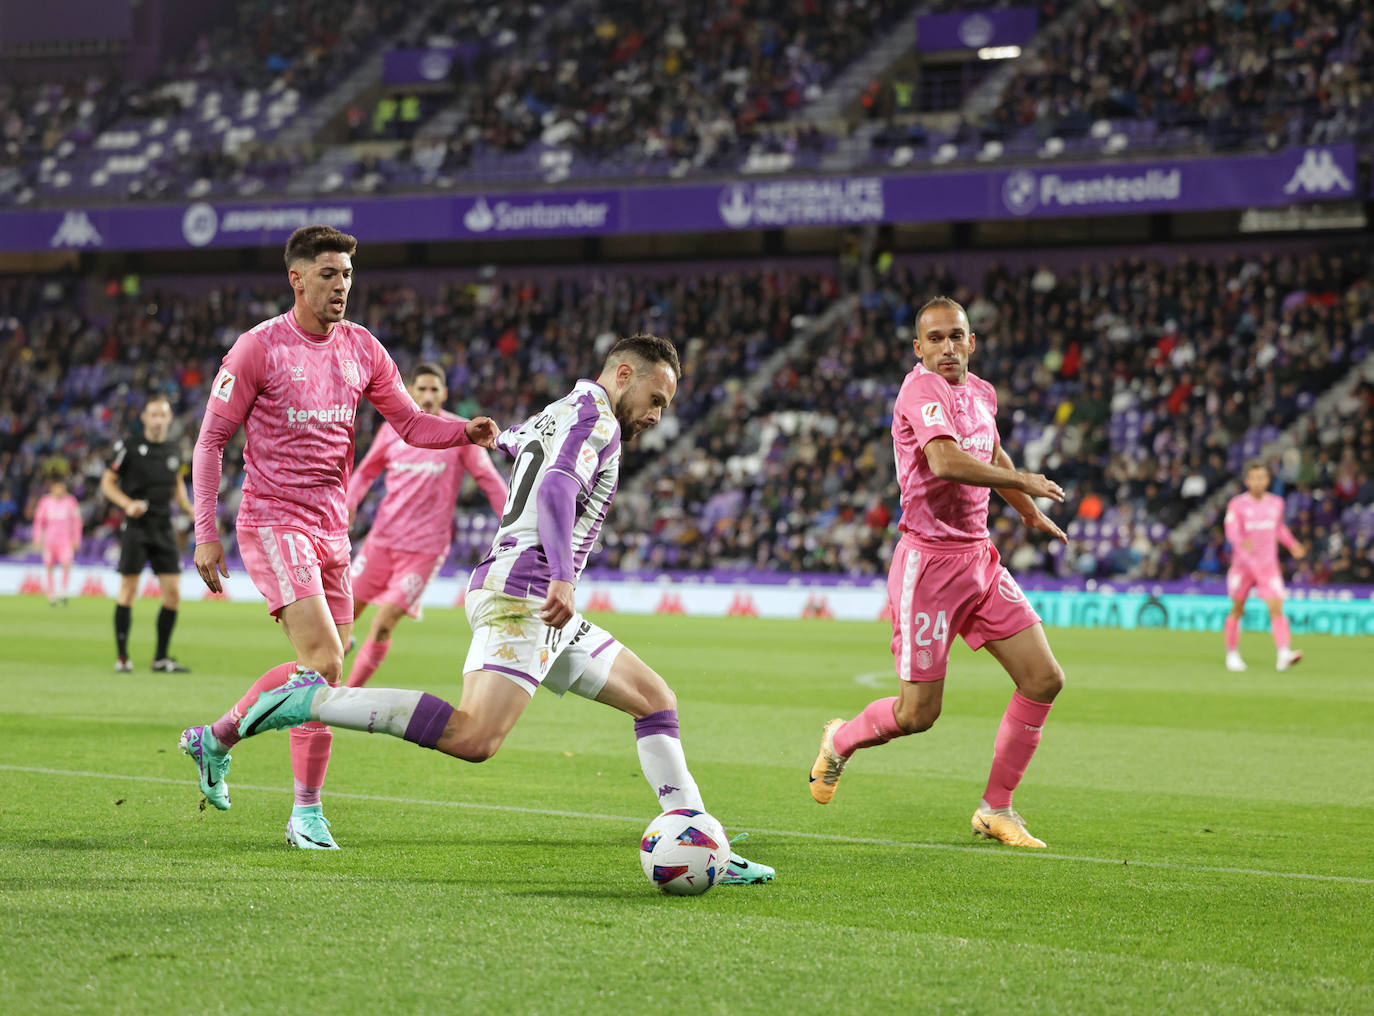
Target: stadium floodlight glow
[(999, 52)]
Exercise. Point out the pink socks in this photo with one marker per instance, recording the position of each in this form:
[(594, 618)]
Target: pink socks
[(1280, 628), (875, 725), (226, 728), (1232, 629), (1017, 739), (310, 745), (369, 658)]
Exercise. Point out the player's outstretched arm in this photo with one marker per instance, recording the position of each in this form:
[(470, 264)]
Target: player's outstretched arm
[(950, 462), (1030, 512)]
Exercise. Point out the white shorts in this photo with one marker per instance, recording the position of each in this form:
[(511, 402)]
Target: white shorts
[(508, 638)]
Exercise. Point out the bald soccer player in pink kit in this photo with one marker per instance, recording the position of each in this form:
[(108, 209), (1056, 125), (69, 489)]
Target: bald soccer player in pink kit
[(946, 578), (410, 537), (1254, 528), (57, 533), (294, 383)]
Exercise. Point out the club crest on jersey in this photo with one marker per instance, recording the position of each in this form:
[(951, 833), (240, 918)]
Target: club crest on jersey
[(224, 386), (932, 415), (143, 449), (302, 574), (351, 375), (173, 463)]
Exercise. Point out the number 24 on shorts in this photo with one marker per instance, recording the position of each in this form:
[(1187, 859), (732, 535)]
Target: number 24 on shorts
[(922, 634)]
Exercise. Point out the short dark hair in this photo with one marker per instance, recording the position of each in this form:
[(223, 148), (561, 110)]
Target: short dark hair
[(152, 397), (309, 242), (651, 349), (938, 301), (428, 368)]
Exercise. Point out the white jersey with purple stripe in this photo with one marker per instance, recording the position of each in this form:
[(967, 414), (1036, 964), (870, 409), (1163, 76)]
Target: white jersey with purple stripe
[(578, 435)]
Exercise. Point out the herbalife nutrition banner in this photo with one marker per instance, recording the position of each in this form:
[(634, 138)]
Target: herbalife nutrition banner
[(1297, 175)]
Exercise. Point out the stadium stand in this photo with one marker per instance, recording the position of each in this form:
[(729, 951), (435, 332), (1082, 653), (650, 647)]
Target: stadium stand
[(607, 90), (1134, 381)]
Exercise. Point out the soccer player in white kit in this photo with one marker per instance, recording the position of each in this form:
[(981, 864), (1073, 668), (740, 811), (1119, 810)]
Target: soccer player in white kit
[(294, 383), (410, 537), (526, 631)]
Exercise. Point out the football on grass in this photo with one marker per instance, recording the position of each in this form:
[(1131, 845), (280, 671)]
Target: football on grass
[(684, 851)]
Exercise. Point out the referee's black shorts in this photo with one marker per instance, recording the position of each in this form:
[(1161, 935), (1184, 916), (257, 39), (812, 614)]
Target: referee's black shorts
[(155, 545)]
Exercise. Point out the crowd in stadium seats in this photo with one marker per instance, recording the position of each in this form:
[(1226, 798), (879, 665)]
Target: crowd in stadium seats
[(205, 125), (1141, 386), (629, 89), (1298, 73), (73, 384)]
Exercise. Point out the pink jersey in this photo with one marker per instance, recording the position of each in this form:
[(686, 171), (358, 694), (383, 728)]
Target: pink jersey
[(1260, 521), (422, 487), (57, 521), (296, 396), (928, 407)]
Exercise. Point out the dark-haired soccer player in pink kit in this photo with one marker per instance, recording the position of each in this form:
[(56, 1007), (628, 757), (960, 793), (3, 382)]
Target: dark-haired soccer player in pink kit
[(57, 532), (294, 383), (410, 537), (1254, 528), (946, 578)]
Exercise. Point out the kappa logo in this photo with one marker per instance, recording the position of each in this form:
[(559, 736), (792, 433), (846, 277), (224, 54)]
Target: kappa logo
[(932, 415), (224, 386), (351, 376), (76, 230), (1318, 174)]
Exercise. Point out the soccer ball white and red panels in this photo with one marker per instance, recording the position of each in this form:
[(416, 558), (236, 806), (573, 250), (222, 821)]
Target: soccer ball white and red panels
[(684, 851)]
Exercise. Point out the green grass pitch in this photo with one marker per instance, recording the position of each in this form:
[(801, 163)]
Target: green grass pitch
[(1210, 836)]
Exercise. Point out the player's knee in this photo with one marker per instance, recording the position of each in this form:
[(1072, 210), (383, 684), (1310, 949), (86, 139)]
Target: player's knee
[(171, 599), (1046, 683), (478, 749), (328, 664), (659, 697), (916, 717)]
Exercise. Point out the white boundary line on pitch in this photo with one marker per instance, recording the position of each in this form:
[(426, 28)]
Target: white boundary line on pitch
[(824, 837)]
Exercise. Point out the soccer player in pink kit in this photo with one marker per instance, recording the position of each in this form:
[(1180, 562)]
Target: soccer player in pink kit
[(294, 382), (946, 578), (410, 537), (57, 531), (1254, 528)]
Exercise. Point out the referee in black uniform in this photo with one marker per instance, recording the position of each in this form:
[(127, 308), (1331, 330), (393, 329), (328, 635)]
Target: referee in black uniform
[(142, 478)]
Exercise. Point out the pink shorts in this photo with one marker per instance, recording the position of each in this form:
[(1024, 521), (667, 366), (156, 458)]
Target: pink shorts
[(388, 575), (288, 564), (1268, 582), (57, 553), (936, 595)]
